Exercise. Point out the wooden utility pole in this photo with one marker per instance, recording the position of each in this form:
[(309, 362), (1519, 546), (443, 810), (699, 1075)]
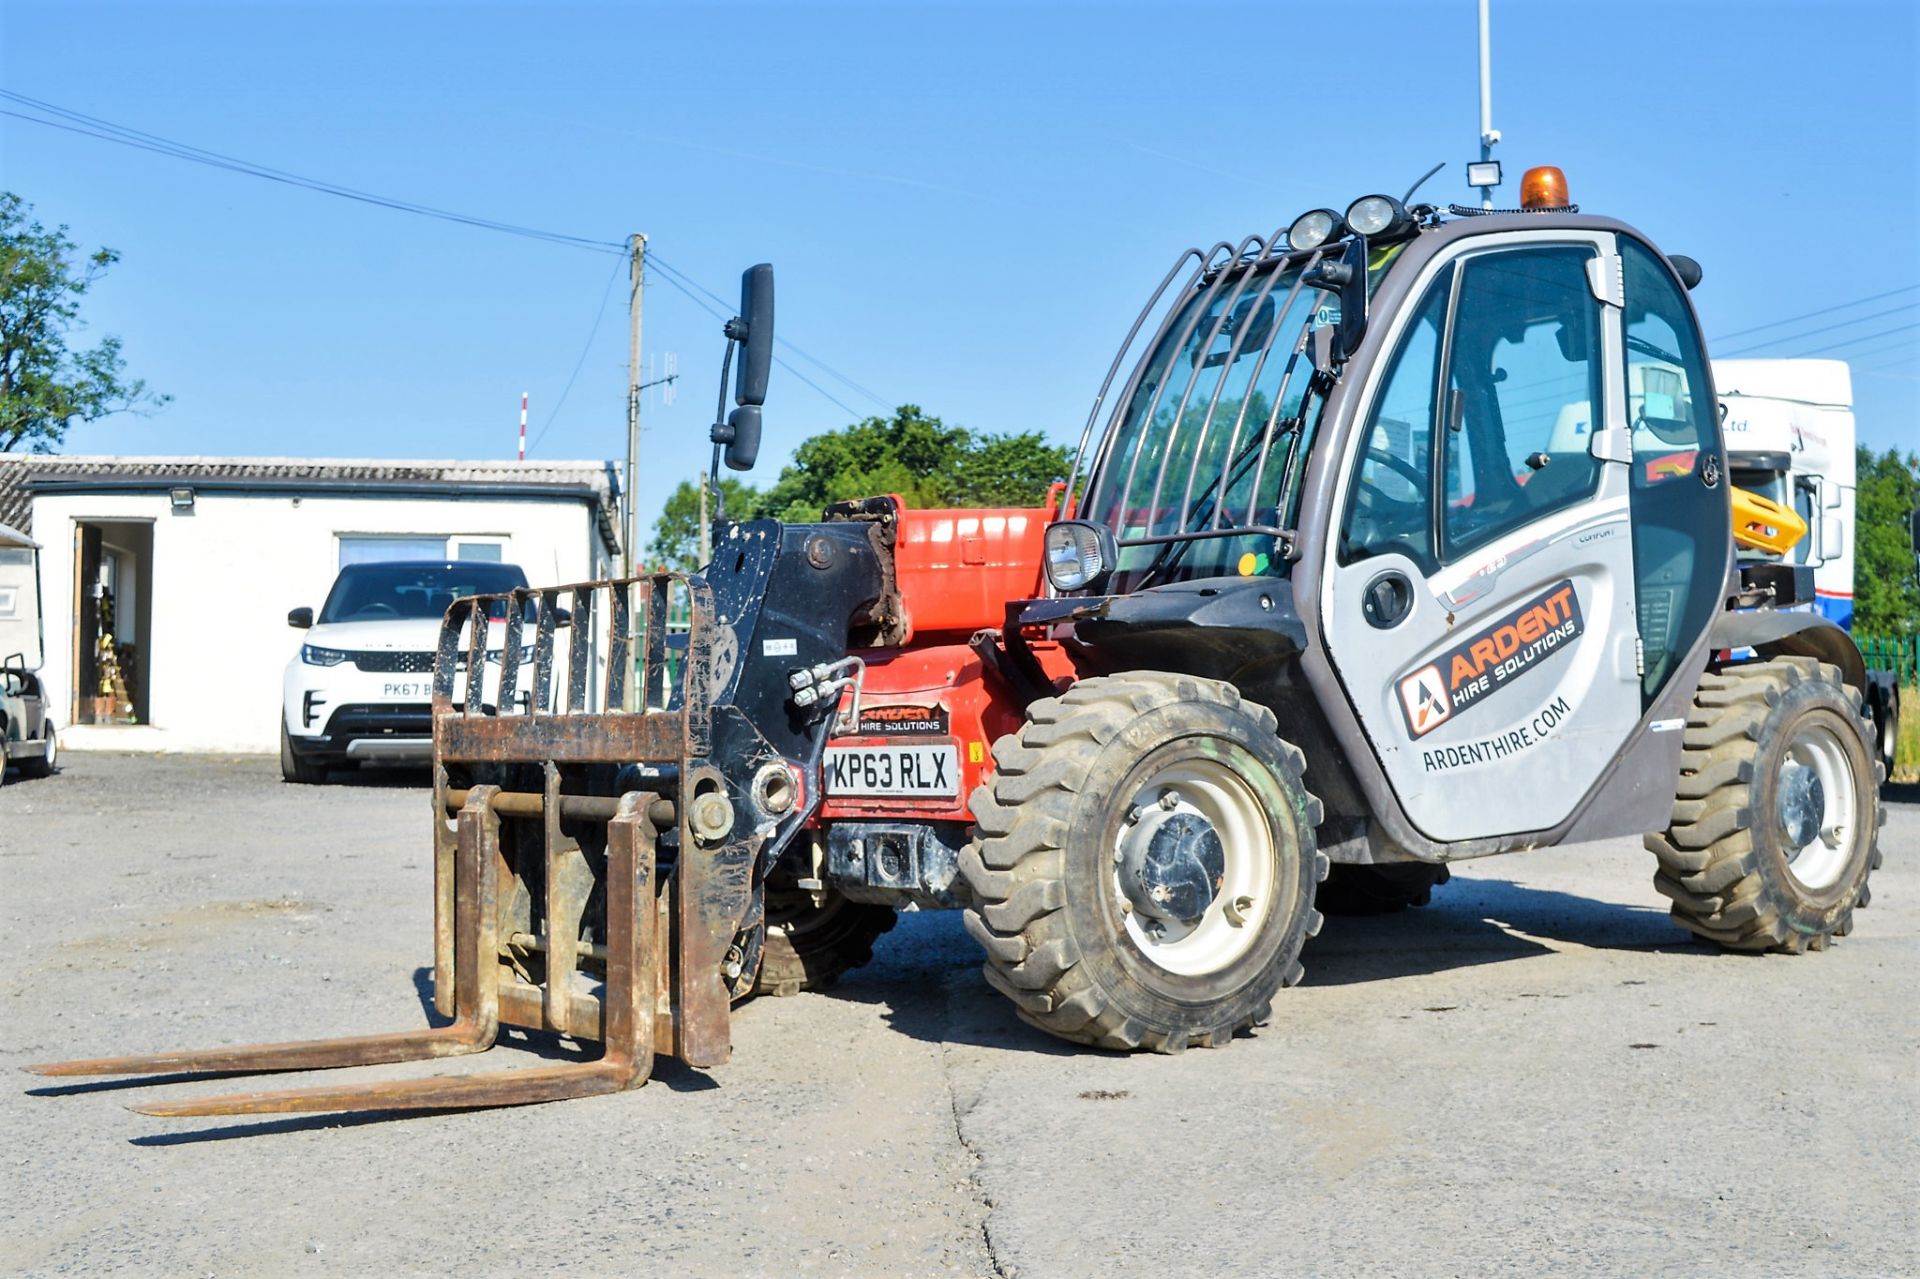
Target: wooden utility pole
[(636, 298)]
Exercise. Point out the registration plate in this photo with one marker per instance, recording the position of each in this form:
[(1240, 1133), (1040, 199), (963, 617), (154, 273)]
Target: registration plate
[(419, 690), (893, 770)]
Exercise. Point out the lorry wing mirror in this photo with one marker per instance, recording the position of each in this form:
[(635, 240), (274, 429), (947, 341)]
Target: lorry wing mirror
[(756, 339), (300, 618), (1913, 530), (744, 448)]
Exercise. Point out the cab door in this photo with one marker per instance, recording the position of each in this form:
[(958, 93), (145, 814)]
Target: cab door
[(1479, 594)]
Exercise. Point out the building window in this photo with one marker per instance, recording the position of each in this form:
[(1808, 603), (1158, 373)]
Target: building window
[(375, 549), (489, 552)]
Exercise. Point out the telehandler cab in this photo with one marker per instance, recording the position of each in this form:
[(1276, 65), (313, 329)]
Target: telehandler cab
[(1407, 539)]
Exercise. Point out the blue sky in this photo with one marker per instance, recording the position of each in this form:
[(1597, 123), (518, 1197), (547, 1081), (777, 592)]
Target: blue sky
[(965, 204)]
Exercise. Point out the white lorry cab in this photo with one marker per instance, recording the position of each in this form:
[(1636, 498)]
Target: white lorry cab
[(1789, 432)]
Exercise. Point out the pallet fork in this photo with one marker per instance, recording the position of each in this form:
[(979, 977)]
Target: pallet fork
[(589, 859)]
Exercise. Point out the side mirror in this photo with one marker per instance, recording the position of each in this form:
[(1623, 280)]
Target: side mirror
[(300, 618), (562, 617), (756, 343), (744, 448), (1913, 531)]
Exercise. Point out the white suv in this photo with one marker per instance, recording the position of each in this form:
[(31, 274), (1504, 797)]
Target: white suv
[(361, 687)]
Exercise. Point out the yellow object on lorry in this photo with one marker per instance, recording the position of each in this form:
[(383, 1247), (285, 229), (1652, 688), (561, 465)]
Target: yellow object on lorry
[(1764, 524)]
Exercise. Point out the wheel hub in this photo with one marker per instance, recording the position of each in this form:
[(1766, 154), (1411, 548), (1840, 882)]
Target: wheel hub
[(1171, 862), (1803, 806)]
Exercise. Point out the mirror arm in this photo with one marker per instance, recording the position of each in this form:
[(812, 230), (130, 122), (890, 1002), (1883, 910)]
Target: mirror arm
[(722, 433)]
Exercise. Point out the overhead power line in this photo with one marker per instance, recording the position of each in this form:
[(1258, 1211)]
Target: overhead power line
[(1808, 315), (78, 122), (1825, 328), (1865, 337), (882, 401), (680, 283), (578, 364)]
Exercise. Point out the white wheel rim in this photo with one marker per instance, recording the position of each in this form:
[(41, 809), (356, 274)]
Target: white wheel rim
[(53, 747), (1816, 769), (1247, 885)]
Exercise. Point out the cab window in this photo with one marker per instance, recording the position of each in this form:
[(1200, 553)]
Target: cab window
[(1390, 510), (1523, 392)]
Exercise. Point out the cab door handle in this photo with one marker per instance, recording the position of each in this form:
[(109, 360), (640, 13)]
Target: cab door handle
[(1387, 599)]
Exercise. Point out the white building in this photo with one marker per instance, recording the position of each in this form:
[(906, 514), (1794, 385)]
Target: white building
[(198, 560)]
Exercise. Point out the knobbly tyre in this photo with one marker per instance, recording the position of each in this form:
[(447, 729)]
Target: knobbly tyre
[(1406, 537)]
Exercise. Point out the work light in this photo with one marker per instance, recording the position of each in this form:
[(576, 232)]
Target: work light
[(1079, 554), (1312, 229), (1376, 215)]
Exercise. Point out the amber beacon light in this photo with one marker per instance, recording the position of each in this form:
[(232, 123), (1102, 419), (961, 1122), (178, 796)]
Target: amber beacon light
[(1544, 187)]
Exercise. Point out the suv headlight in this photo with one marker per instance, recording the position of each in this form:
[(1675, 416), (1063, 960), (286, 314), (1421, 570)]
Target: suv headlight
[(1079, 554), (314, 655)]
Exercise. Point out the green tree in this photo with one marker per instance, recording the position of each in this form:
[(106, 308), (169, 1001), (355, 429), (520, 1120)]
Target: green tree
[(44, 385), (916, 455), (1886, 595), (676, 534)]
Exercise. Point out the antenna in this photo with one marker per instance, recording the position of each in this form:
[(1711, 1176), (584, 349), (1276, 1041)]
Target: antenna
[(523, 426), (1488, 134)]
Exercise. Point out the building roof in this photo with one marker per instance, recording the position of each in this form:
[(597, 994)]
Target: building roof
[(23, 476)]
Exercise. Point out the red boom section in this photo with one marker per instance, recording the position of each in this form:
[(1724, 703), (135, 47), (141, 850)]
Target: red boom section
[(956, 572), (957, 569)]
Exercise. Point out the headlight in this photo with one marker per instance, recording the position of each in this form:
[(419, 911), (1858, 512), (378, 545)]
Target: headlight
[(314, 655), (1078, 554), (526, 654), (1312, 229), (1376, 215)]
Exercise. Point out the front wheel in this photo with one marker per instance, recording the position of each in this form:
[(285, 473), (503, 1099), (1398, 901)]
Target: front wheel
[(294, 769), (1144, 864)]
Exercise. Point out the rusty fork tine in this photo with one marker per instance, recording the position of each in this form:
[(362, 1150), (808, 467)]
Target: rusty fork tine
[(476, 998), (301, 1054), (632, 953)]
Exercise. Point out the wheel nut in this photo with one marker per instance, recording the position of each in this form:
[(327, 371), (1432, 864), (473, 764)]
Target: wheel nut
[(1169, 800)]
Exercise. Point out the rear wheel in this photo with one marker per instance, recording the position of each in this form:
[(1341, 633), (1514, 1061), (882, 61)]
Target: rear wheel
[(297, 770), (43, 764), (1144, 865), (808, 947), (1379, 890), (1775, 829)]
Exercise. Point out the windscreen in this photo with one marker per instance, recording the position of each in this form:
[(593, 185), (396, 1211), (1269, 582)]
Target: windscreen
[(384, 592), (1213, 437)]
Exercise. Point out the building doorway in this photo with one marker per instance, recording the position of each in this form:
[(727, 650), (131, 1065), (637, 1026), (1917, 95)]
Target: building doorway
[(113, 621)]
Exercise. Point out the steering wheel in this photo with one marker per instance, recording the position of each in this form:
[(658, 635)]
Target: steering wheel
[(1398, 467), (376, 609)]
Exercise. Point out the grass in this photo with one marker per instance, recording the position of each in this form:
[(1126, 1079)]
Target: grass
[(1906, 750)]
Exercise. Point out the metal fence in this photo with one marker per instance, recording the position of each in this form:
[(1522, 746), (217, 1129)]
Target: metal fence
[(1886, 653)]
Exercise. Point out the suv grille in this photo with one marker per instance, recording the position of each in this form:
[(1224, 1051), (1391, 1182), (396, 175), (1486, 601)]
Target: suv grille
[(394, 663), (359, 720)]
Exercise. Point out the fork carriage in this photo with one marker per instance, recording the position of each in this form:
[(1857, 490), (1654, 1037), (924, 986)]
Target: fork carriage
[(605, 811)]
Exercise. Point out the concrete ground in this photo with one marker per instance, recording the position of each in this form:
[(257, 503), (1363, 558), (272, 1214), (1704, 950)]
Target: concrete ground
[(1536, 1074)]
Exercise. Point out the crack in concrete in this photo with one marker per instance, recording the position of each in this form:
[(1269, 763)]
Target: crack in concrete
[(980, 1195)]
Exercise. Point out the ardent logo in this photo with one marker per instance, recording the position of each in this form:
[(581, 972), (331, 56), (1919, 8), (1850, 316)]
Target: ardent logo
[(1488, 660), (1425, 695)]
